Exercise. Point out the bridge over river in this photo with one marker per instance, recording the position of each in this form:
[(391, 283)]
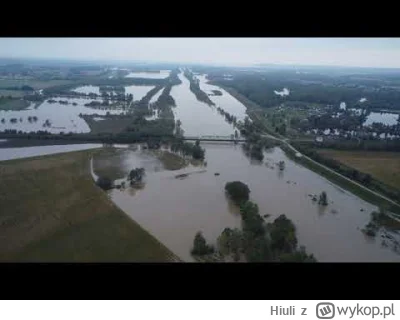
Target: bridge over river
[(214, 138)]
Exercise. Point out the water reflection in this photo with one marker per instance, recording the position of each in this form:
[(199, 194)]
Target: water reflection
[(232, 207)]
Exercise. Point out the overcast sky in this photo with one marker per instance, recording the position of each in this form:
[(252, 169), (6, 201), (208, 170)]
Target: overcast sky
[(363, 52)]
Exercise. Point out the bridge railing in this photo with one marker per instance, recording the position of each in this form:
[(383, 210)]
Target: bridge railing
[(210, 137)]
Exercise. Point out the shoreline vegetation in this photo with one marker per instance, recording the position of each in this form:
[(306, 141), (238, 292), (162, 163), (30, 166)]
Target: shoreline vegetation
[(83, 225)]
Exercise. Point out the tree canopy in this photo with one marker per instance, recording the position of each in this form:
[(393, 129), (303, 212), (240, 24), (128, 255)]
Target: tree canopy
[(136, 175), (237, 191), (200, 246)]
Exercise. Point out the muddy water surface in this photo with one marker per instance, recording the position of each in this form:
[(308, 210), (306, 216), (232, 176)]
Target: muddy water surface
[(173, 210)]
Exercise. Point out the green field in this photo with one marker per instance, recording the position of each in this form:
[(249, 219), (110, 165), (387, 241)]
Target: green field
[(13, 104), (384, 166), (51, 211)]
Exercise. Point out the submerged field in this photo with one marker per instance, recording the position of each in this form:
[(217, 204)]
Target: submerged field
[(384, 166), (51, 210)]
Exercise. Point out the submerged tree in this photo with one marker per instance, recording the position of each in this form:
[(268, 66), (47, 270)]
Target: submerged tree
[(230, 242), (283, 235), (237, 191), (136, 175), (200, 246), (323, 199)]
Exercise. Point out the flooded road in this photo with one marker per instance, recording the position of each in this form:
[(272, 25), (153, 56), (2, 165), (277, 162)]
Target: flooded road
[(26, 152), (173, 210)]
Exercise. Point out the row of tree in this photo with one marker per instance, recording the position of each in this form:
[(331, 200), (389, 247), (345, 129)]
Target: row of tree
[(228, 117), (358, 144)]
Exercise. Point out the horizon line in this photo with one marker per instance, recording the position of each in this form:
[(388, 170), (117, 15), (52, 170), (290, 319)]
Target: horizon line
[(258, 64)]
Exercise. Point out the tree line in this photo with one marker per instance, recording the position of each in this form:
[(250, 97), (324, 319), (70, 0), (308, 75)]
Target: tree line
[(311, 88)]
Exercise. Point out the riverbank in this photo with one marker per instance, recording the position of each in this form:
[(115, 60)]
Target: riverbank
[(52, 211)]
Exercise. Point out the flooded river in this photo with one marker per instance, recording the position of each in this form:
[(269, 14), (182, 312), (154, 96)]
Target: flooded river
[(226, 101), (198, 118), (173, 210)]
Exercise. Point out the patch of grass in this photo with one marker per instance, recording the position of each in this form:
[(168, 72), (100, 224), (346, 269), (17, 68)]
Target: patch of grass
[(384, 166), (13, 104), (171, 161), (51, 210)]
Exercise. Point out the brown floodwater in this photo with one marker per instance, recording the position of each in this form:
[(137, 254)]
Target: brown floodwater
[(173, 210)]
